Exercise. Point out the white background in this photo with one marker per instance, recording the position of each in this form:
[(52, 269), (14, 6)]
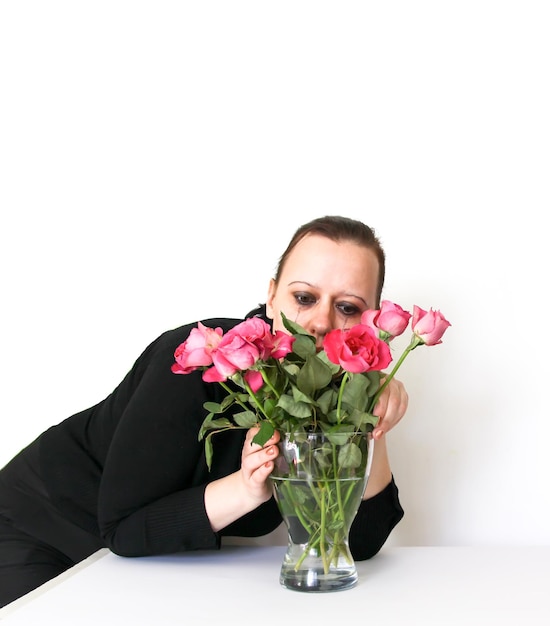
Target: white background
[(155, 157)]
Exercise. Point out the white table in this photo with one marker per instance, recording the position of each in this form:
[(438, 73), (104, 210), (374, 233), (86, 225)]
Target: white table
[(439, 586)]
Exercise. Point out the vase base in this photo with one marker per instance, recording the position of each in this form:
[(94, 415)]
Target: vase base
[(316, 581)]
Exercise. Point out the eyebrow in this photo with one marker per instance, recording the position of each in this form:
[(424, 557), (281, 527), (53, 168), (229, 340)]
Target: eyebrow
[(347, 295)]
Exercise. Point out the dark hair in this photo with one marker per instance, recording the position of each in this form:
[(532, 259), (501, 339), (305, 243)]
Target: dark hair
[(340, 228)]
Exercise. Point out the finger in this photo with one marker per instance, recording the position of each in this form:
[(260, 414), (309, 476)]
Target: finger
[(388, 422), (250, 434), (390, 409), (252, 461)]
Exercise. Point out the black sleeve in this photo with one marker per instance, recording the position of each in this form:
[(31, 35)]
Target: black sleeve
[(151, 496), (375, 520)]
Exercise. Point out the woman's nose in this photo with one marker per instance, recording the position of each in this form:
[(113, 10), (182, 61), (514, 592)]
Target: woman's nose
[(320, 324)]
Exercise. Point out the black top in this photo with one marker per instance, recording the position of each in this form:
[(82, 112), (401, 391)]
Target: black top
[(132, 471)]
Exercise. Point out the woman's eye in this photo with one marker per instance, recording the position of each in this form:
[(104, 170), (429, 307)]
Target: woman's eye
[(304, 299), (348, 310)]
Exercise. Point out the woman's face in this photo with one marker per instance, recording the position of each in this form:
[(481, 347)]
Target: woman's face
[(324, 285)]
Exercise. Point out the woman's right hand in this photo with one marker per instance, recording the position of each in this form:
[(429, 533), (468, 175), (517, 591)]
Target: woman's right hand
[(257, 463), (229, 498)]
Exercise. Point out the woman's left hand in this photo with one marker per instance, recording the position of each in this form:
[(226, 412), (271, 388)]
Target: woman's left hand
[(391, 407)]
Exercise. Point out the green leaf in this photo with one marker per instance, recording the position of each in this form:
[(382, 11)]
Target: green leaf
[(335, 417), (374, 379), (264, 434), (213, 407), (314, 375), (304, 346), (208, 450), (299, 396), (339, 434), (355, 391), (363, 420), (292, 369), (269, 406), (245, 419), (210, 423), (327, 401), (233, 398), (296, 409), (273, 375), (293, 327), (349, 456), (323, 455), (334, 367)]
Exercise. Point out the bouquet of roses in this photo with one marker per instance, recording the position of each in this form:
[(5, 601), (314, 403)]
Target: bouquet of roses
[(280, 380)]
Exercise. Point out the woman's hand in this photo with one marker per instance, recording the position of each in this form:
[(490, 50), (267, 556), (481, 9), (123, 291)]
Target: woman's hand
[(390, 407), (257, 464), (229, 498)]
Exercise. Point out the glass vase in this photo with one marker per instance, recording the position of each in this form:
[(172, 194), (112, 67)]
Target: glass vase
[(319, 480)]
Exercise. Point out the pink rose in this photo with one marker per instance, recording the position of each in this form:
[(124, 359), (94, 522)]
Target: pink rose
[(282, 344), (357, 349), (196, 350), (254, 379), (428, 326), (239, 349), (255, 332), (390, 319)]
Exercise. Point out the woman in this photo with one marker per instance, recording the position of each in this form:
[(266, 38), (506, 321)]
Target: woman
[(130, 474)]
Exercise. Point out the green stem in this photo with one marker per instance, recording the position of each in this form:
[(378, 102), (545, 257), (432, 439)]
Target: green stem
[(323, 531), (296, 507), (335, 470), (255, 399), (415, 341), (269, 383), (345, 378), (230, 392)]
